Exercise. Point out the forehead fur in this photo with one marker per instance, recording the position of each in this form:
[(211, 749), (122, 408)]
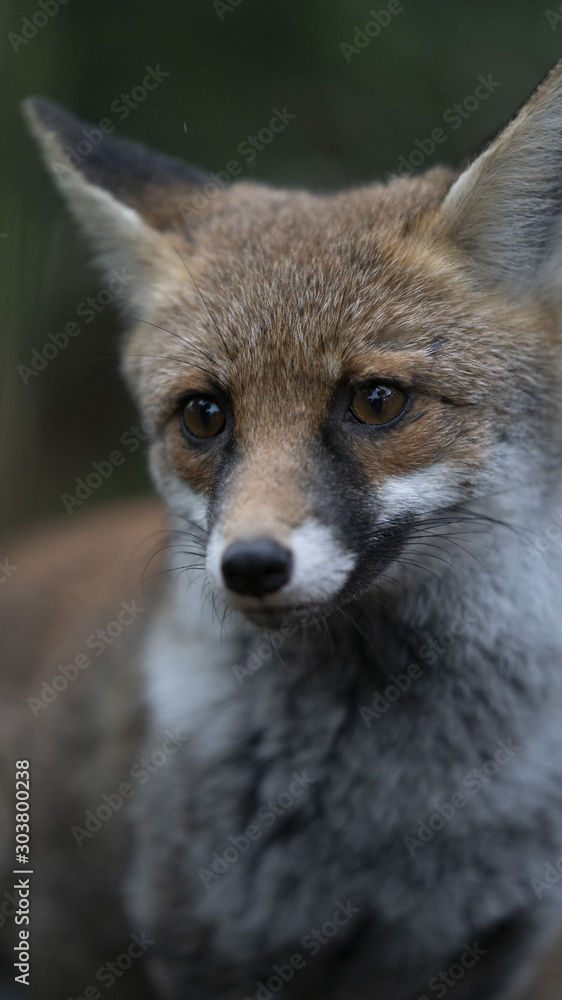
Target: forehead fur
[(288, 296), (302, 291)]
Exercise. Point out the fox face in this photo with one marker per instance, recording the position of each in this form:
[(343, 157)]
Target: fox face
[(327, 412), (323, 374)]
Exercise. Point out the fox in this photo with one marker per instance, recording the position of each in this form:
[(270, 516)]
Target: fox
[(295, 726)]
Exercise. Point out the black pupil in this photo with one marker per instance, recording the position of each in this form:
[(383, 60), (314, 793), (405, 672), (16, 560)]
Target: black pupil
[(378, 396), (207, 410)]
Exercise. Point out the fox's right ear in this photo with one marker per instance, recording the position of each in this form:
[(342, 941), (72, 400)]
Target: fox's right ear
[(504, 212), (129, 200)]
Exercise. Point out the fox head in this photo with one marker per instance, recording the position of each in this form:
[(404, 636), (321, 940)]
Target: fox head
[(323, 374)]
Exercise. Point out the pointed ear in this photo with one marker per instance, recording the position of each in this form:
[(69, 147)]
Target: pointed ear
[(505, 210), (129, 200)]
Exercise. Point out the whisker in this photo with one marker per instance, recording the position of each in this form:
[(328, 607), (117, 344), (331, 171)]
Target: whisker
[(280, 658), (215, 324), (171, 569), (199, 527), (171, 545), (175, 361), (389, 580), (439, 558), (178, 336), (352, 621), (467, 551), (417, 565), (214, 602)]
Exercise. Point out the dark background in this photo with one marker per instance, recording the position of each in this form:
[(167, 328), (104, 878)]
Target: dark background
[(227, 69)]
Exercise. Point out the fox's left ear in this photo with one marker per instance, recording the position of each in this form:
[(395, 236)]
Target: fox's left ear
[(505, 210), (130, 201)]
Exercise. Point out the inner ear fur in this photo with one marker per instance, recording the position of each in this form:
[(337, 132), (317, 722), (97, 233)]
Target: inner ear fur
[(504, 211), (131, 202)]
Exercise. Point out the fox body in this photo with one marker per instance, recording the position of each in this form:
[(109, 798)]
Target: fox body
[(354, 779)]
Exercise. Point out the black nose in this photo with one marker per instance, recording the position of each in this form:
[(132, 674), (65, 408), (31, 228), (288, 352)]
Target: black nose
[(257, 567)]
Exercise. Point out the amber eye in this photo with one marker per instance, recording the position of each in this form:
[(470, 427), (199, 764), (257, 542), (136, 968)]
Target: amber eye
[(203, 417), (377, 404)]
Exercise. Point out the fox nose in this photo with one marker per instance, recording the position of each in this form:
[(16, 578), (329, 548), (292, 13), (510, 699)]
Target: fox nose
[(257, 567)]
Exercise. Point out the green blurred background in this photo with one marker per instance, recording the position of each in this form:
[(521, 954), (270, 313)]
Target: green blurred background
[(229, 64)]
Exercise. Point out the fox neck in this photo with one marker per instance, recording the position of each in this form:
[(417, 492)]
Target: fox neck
[(451, 612)]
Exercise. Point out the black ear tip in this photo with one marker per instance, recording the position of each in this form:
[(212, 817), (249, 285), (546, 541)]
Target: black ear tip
[(128, 170), (43, 112)]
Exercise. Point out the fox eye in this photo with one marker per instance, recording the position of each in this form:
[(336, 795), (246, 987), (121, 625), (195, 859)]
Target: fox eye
[(377, 404), (202, 417)]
